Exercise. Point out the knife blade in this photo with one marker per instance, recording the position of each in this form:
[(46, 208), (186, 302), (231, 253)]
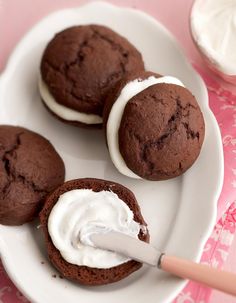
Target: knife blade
[(125, 245)]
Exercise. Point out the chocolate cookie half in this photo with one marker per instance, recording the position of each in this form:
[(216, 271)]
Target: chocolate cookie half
[(80, 67), (154, 127), (30, 169), (89, 203)]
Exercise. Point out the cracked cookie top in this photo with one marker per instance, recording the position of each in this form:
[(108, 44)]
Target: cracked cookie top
[(160, 131), (30, 169), (82, 64)]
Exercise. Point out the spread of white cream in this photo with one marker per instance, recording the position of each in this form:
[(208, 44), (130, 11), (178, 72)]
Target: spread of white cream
[(79, 213), (213, 25), (113, 124), (63, 111)]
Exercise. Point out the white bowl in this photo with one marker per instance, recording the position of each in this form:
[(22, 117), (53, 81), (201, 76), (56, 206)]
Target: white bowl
[(218, 67)]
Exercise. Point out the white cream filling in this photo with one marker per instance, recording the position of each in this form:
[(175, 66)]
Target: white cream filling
[(63, 111), (213, 24), (113, 124), (81, 212)]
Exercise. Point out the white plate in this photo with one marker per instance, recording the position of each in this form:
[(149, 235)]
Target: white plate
[(180, 212)]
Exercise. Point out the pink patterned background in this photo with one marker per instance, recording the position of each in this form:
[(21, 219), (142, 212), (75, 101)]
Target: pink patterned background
[(16, 17)]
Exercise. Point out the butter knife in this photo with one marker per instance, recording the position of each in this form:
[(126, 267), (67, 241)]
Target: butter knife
[(146, 253)]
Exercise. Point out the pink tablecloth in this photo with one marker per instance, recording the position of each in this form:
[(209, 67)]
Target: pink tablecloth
[(16, 17)]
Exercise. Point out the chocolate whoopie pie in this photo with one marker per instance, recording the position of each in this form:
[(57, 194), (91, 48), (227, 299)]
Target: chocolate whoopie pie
[(84, 274), (30, 169), (80, 67), (154, 127)]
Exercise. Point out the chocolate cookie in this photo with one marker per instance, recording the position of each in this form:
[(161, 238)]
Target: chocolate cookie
[(30, 169), (80, 67), (158, 125), (84, 274)]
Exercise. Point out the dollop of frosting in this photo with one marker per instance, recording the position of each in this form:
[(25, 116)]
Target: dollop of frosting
[(113, 123), (81, 212), (213, 24), (62, 111)]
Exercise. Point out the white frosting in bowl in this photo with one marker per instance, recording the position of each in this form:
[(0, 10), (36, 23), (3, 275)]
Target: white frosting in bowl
[(80, 212), (213, 26), (113, 123), (62, 111)]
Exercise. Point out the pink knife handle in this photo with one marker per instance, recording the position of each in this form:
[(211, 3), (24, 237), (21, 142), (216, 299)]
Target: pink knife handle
[(214, 278)]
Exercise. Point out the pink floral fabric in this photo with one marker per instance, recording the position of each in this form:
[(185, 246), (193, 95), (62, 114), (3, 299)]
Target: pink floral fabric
[(8, 292)]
